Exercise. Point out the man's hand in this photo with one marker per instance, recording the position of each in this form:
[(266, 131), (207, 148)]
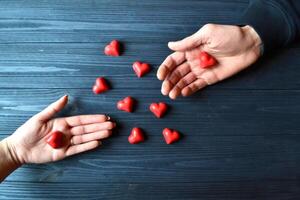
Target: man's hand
[(235, 48), (29, 143)]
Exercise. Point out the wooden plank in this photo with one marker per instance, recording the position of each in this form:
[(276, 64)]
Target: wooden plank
[(33, 21), (194, 159), (219, 112), (62, 67), (125, 79), (110, 11), (263, 189)]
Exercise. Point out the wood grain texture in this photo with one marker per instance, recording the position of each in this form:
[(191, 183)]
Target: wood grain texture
[(211, 112), (241, 136)]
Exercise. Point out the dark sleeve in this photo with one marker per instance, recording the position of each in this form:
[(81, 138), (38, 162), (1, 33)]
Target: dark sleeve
[(276, 21)]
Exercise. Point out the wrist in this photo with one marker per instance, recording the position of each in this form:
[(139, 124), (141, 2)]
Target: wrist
[(254, 38), (11, 153), (8, 161)]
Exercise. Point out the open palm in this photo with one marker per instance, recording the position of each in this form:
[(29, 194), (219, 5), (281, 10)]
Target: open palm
[(82, 133), (234, 48)]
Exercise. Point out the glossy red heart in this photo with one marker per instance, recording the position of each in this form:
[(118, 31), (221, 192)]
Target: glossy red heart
[(158, 109), (100, 85), (126, 104), (206, 60), (136, 136), (56, 140), (113, 48), (170, 135), (140, 68)]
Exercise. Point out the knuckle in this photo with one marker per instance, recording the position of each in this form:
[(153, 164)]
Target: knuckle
[(181, 83), (174, 77), (82, 129), (209, 27)]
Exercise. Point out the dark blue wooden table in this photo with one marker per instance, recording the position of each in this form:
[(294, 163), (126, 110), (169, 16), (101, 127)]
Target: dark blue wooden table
[(241, 136)]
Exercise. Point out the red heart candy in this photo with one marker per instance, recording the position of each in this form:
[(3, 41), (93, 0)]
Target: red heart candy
[(113, 48), (170, 135), (136, 136), (56, 140), (158, 109), (100, 85), (140, 68), (206, 60), (126, 104)]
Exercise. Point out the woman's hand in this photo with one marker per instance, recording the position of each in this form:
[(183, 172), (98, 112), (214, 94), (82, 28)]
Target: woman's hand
[(234, 47), (29, 142)]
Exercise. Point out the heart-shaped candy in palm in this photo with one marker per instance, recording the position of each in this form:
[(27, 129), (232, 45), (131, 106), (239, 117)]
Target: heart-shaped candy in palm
[(56, 140), (206, 60)]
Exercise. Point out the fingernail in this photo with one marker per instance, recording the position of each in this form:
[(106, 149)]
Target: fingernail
[(100, 143), (164, 92), (114, 124), (158, 76), (108, 117), (172, 97)]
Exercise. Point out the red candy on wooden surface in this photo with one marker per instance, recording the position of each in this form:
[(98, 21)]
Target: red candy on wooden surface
[(126, 104), (158, 109), (136, 136), (113, 48), (100, 85), (56, 140), (170, 135), (140, 68), (206, 60)]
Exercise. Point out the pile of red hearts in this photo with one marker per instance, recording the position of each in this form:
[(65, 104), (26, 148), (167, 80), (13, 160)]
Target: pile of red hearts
[(127, 104)]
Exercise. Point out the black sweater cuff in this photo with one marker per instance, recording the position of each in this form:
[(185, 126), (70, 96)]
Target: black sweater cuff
[(272, 23)]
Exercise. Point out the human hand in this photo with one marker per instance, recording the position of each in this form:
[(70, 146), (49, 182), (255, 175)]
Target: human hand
[(235, 48), (28, 144)]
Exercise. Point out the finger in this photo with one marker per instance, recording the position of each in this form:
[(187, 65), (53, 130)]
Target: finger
[(174, 77), (186, 43), (171, 62), (166, 87), (193, 87), (178, 73), (52, 109), (186, 80), (79, 139), (79, 148), (211, 76), (86, 119), (79, 130)]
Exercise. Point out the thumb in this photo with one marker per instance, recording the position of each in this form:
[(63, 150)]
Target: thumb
[(186, 43), (53, 108)]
